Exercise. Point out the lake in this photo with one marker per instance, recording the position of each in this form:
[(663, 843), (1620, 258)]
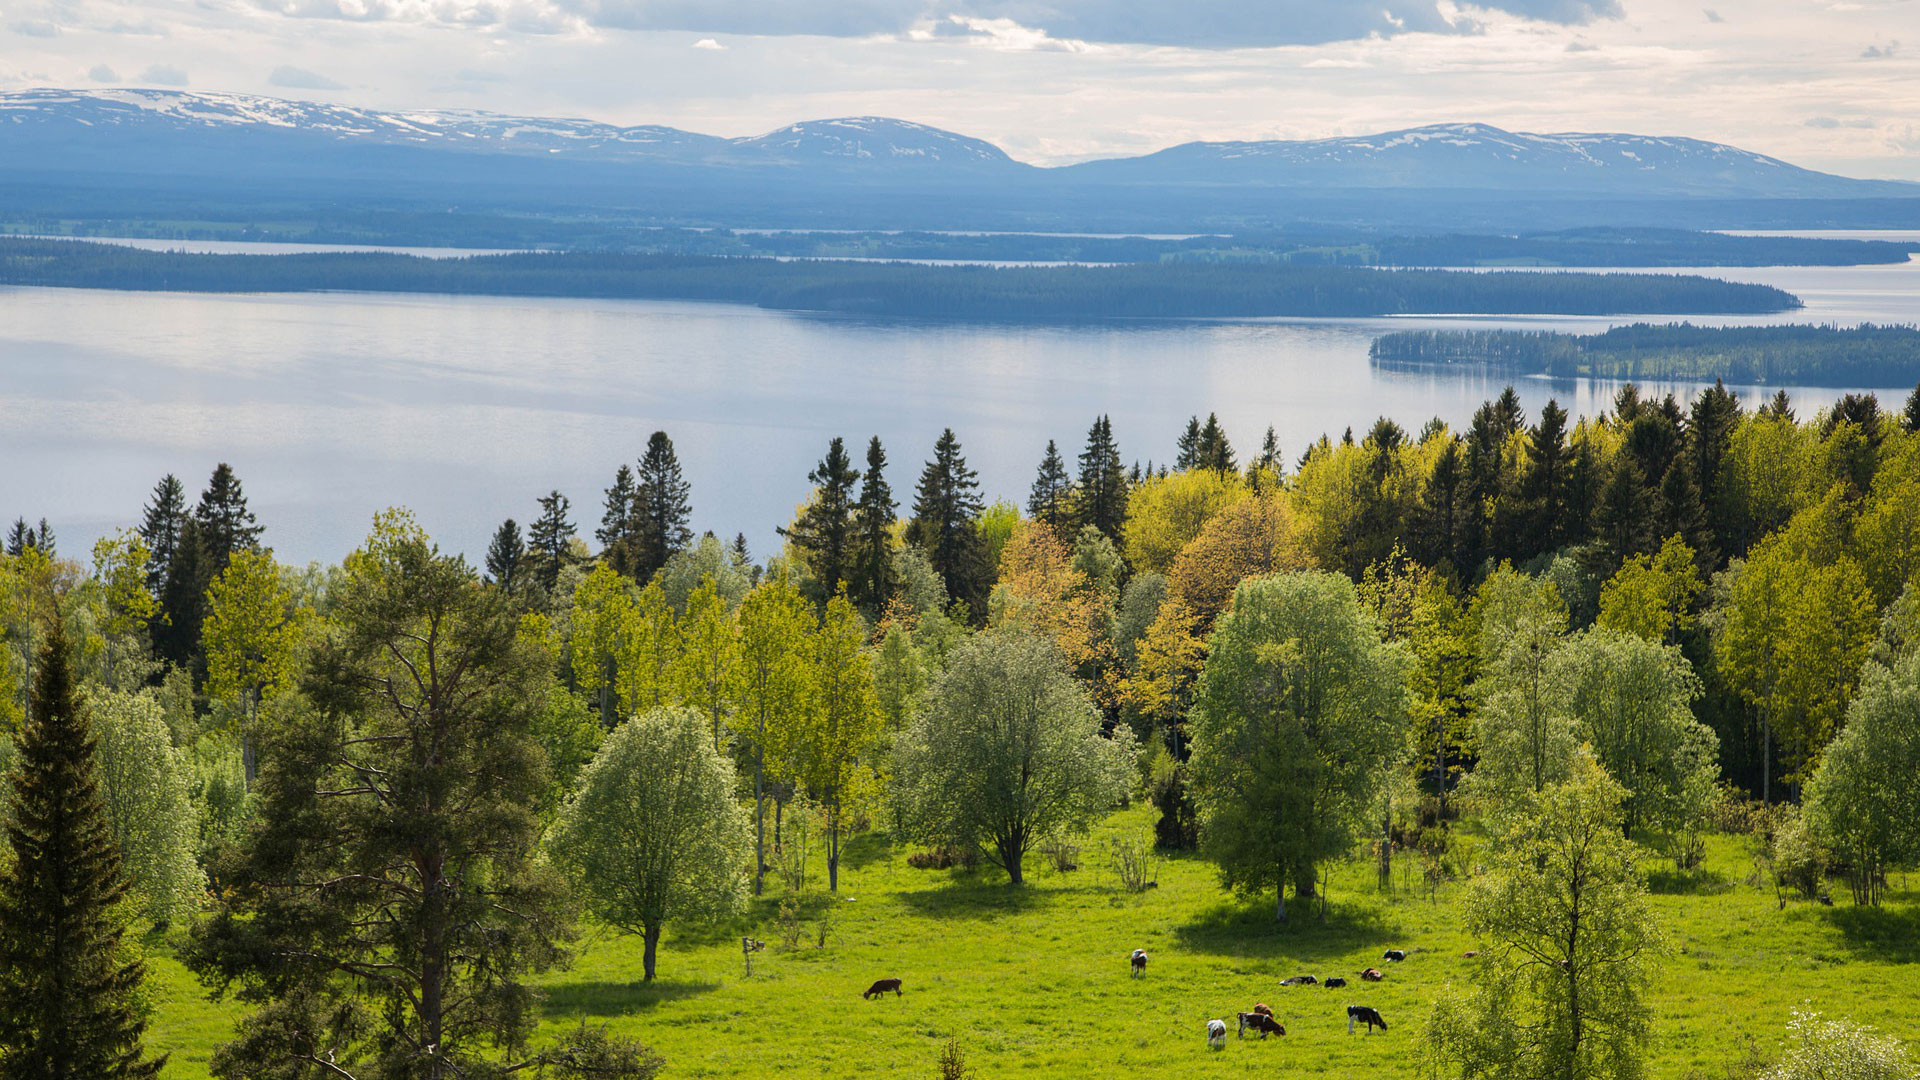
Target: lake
[(332, 406)]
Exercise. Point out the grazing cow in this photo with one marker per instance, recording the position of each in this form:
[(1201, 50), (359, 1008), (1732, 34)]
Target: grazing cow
[(1366, 1015), (1395, 955), (1299, 980), (1334, 982), (1372, 975), (1264, 1023), (1139, 961), (1262, 1009), (880, 988), (1217, 1034)]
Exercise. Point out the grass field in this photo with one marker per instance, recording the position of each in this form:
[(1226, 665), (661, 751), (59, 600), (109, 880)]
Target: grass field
[(1034, 981)]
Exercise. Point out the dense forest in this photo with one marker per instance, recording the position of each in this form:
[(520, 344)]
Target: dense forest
[(1301, 245), (1163, 290), (374, 798), (1865, 355)]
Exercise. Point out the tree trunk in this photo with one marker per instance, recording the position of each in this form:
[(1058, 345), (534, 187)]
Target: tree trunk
[(1280, 903), (653, 947), (759, 820), (1766, 758), (833, 845)]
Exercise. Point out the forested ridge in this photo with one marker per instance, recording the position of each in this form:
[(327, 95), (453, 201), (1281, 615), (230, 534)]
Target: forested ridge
[(370, 803), (1866, 355), (1158, 290)]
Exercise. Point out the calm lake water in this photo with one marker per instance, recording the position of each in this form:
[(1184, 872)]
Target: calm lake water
[(332, 406)]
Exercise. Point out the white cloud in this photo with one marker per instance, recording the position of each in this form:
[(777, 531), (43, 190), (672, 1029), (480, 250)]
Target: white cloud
[(293, 78), (710, 44), (162, 75)]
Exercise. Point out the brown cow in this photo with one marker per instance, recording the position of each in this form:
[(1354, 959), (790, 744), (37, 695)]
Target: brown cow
[(1373, 975), (1261, 1022), (880, 988)]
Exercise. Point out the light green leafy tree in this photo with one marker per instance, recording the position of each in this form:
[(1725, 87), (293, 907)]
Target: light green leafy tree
[(1008, 753), (653, 835), (147, 788), (709, 657), (120, 569), (649, 659), (1567, 940), (251, 639), (1525, 738), (1863, 803), (773, 690), (1300, 716), (1652, 596), (830, 746), (603, 618), (1630, 698)]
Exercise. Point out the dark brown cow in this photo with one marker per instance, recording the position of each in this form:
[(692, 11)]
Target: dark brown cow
[(1261, 1022), (880, 988), (1373, 975)]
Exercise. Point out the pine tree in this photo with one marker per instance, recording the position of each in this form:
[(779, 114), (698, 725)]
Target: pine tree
[(1188, 447), (1052, 491), (823, 533), (661, 511), (1716, 412), (1102, 497), (549, 540), (1623, 522), (1544, 489), (67, 1008), (1433, 524), (505, 555), (1269, 458), (616, 522), (1910, 417), (1213, 450), (226, 525), (872, 583), (183, 600), (944, 510), (1779, 408), (160, 528)]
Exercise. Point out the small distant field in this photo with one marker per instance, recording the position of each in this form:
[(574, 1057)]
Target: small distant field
[(1034, 981)]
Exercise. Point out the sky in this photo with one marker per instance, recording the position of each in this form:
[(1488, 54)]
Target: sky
[(1829, 84)]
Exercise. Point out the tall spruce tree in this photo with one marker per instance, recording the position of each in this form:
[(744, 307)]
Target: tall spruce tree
[(661, 510), (505, 554), (871, 585), (1187, 448), (1716, 412), (226, 525), (550, 540), (1910, 416), (944, 512), (1544, 488), (1101, 500), (1052, 495), (67, 995), (824, 531), (616, 532), (183, 600), (160, 524), (1213, 451), (1269, 458), (24, 537)]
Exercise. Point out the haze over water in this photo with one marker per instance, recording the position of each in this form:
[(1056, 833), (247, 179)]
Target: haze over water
[(332, 406)]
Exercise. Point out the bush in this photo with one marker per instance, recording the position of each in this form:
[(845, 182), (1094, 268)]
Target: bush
[(1821, 1049), (944, 858), (1134, 863), (1062, 855)]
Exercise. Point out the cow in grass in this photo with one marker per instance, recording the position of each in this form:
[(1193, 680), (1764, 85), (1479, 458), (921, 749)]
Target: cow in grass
[(1264, 1023), (1139, 961), (880, 988), (1365, 1014), (1217, 1034)]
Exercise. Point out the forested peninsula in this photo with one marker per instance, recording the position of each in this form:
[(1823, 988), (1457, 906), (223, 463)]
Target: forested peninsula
[(1164, 290), (1866, 355)]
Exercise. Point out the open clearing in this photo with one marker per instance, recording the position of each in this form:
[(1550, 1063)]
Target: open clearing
[(1034, 981)]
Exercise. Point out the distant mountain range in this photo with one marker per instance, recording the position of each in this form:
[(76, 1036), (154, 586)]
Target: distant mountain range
[(182, 141)]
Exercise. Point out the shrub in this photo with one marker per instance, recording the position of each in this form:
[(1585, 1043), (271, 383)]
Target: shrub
[(1821, 1049), (1134, 863)]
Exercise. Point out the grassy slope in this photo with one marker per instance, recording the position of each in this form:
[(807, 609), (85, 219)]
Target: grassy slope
[(1034, 982)]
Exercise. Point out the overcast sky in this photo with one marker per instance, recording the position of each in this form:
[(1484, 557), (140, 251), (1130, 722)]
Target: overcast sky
[(1831, 84)]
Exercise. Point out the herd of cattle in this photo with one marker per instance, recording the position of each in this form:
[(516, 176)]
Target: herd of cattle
[(1260, 1019)]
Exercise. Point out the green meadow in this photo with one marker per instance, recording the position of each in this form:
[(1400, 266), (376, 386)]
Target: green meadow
[(1034, 981)]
